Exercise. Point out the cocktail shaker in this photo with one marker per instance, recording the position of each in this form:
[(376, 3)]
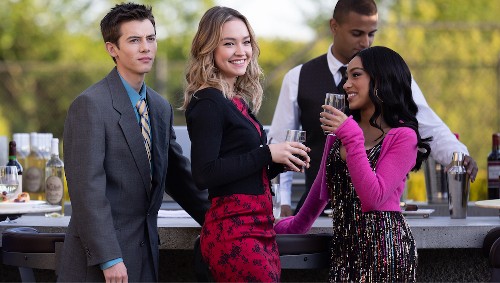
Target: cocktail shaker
[(458, 187)]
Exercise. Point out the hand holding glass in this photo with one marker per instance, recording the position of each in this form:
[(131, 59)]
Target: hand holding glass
[(336, 100), (8, 181), (296, 136)]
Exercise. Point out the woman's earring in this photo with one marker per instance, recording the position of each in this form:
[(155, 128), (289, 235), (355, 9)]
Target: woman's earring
[(376, 94)]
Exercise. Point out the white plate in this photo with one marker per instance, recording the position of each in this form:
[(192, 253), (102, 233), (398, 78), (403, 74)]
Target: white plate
[(17, 205), (34, 206), (490, 203), (419, 212)]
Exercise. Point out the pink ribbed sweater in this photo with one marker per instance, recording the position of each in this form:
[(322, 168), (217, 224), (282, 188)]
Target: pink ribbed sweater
[(380, 190)]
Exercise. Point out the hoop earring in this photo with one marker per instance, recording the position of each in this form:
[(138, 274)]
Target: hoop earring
[(376, 94)]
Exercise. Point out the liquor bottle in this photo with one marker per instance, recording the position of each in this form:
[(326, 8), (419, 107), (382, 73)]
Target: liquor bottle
[(494, 168), (13, 162), (33, 179), (54, 182)]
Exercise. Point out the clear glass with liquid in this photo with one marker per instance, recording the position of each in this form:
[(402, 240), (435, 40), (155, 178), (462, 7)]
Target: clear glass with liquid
[(9, 182)]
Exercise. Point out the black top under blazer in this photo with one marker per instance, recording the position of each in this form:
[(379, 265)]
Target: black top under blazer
[(227, 153)]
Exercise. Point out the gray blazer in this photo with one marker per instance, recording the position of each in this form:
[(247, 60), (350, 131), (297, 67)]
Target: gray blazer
[(114, 201)]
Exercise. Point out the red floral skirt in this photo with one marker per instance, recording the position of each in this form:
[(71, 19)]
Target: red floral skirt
[(238, 240)]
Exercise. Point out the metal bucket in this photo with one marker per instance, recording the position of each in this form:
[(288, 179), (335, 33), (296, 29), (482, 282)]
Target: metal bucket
[(435, 181)]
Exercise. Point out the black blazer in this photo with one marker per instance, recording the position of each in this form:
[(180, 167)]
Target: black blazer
[(227, 153)]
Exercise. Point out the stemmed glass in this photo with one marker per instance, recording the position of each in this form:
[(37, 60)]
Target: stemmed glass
[(9, 181), (336, 100)]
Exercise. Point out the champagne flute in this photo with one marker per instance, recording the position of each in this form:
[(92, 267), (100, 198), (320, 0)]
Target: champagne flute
[(336, 100), (296, 136)]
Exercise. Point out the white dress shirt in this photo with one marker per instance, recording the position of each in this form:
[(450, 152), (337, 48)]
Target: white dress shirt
[(287, 113)]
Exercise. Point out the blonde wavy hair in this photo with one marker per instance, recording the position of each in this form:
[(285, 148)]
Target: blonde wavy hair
[(201, 70)]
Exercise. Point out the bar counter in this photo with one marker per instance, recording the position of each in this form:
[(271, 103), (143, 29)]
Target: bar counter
[(435, 232), (449, 250)]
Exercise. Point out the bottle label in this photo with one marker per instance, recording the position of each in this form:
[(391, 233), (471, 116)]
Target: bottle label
[(54, 190), (32, 179), (493, 178), (493, 170)]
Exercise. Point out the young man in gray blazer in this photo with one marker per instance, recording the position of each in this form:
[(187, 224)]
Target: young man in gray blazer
[(120, 154)]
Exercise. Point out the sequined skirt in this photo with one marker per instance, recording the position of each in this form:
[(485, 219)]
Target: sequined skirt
[(382, 249), (376, 246)]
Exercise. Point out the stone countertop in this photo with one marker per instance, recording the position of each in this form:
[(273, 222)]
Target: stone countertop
[(435, 232), (439, 232), (442, 209)]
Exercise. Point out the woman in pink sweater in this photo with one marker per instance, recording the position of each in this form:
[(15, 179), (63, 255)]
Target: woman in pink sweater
[(363, 172)]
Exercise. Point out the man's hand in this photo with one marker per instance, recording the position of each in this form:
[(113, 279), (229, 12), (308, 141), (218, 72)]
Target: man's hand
[(471, 167), (116, 273), (286, 211)]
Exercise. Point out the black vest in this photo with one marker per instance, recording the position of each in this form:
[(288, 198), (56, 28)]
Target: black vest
[(315, 81)]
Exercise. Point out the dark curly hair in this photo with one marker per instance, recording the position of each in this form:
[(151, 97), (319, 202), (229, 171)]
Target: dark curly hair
[(390, 92)]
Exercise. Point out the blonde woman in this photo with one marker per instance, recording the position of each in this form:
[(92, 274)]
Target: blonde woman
[(229, 153)]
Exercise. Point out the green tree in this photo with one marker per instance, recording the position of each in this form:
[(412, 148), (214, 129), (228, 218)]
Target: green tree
[(50, 51), (452, 47)]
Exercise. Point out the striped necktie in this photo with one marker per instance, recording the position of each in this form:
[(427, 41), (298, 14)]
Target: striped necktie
[(142, 108)]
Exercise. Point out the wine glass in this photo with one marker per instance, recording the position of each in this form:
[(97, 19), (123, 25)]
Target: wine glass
[(336, 100), (9, 181), (276, 201)]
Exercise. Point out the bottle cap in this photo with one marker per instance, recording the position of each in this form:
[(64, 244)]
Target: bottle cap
[(54, 149), (496, 136), (12, 148)]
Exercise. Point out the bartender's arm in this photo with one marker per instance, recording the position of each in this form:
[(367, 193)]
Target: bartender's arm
[(444, 142)]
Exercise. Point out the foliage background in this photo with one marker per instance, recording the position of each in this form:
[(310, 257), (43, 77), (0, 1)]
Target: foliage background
[(50, 51)]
